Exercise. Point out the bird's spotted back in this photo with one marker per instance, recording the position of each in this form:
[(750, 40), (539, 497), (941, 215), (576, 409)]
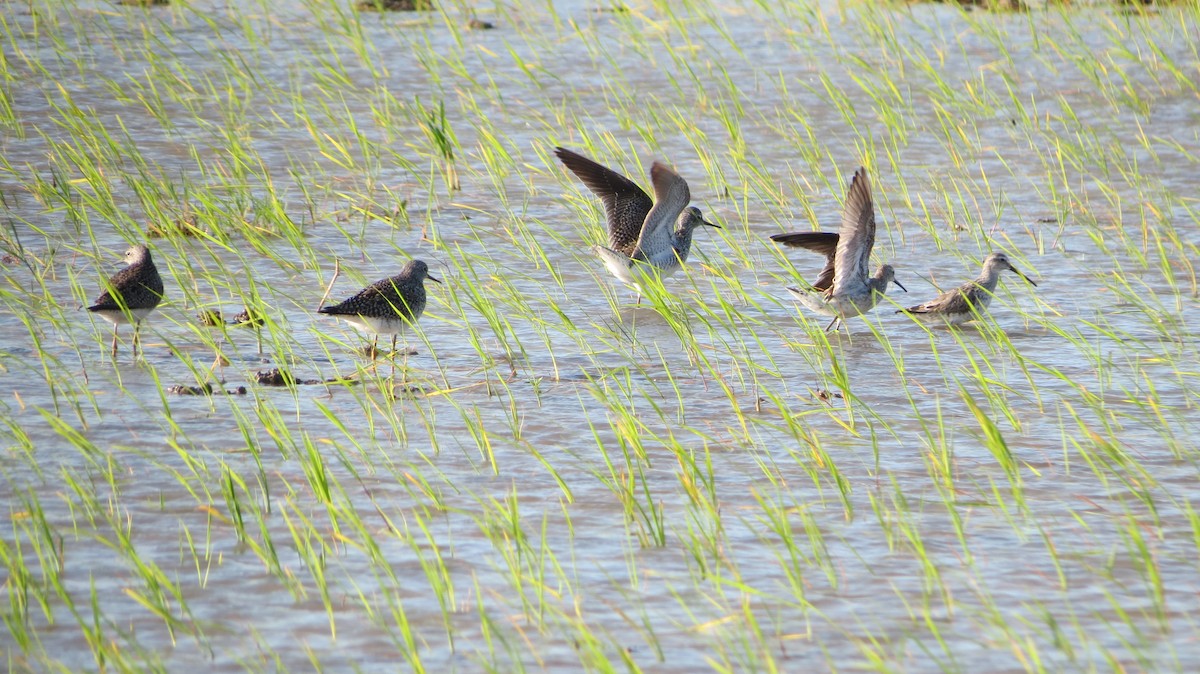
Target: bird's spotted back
[(400, 296), (138, 286)]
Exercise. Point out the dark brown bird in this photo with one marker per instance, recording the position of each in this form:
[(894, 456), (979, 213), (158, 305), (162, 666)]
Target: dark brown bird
[(131, 294), (644, 236), (387, 307)]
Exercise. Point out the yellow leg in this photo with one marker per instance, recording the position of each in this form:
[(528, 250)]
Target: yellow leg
[(394, 358)]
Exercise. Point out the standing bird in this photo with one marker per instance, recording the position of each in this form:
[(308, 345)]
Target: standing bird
[(131, 294), (844, 289), (969, 301), (641, 241), (387, 307)]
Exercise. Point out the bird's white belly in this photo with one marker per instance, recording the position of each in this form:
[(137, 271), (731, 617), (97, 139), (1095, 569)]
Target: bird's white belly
[(844, 306), (379, 326), (853, 305), (118, 317), (634, 272)]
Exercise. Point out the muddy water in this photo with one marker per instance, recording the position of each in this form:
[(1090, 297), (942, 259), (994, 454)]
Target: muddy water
[(909, 542)]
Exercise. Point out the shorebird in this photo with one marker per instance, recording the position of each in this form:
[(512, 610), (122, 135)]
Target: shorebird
[(843, 289), (131, 294), (969, 301), (387, 307), (641, 242)]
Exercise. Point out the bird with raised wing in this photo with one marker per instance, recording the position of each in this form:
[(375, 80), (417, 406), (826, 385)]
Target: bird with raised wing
[(645, 237), (843, 289)]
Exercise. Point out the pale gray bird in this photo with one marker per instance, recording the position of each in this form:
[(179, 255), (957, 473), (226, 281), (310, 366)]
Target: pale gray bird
[(844, 289), (641, 241), (131, 294), (969, 301)]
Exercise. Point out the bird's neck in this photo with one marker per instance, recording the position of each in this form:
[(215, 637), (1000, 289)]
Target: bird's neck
[(988, 279), (682, 242)]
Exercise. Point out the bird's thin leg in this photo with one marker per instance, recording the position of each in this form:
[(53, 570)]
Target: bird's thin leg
[(114, 342), (137, 342), (832, 323), (394, 357), (406, 349)]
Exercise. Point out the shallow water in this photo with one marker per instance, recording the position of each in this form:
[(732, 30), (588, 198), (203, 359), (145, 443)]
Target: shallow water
[(620, 496)]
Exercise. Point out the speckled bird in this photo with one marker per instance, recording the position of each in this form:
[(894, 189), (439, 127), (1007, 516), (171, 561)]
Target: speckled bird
[(387, 307), (131, 294), (641, 240)]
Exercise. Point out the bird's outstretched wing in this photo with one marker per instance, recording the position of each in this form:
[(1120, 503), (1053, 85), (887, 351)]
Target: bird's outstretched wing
[(625, 204), (671, 196), (857, 236)]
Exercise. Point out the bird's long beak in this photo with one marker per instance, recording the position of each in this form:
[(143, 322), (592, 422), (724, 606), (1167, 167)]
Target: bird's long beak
[(712, 224), (900, 284), (433, 278), (1018, 273)]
